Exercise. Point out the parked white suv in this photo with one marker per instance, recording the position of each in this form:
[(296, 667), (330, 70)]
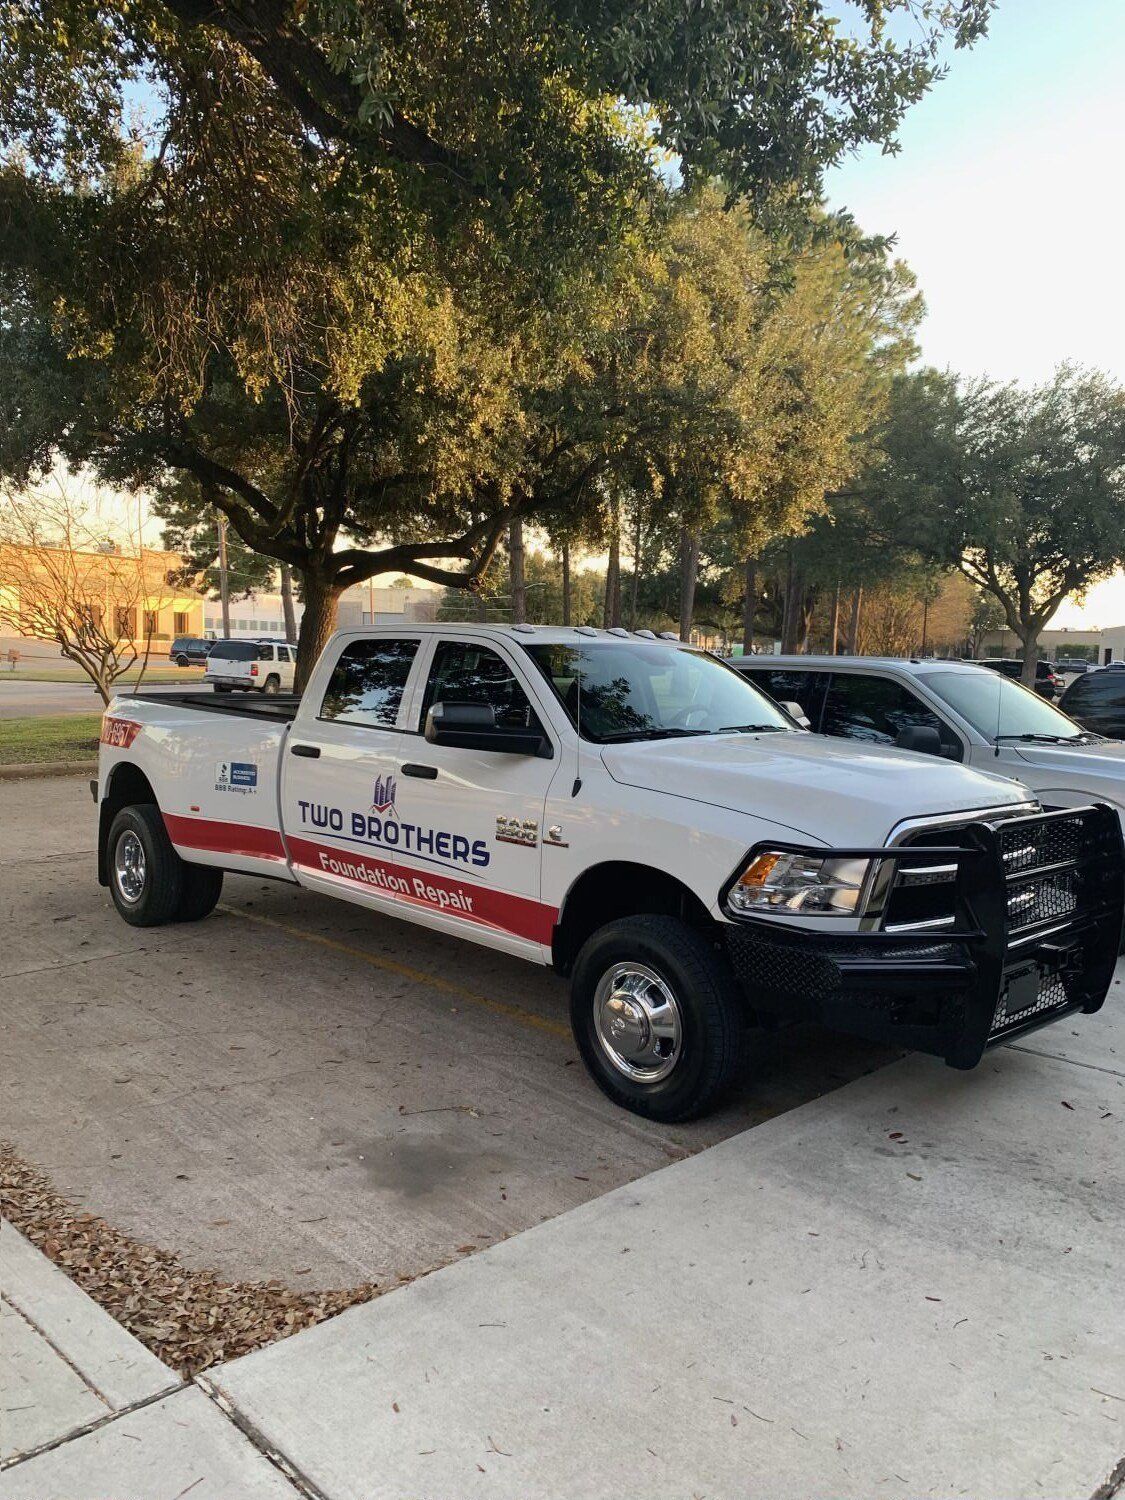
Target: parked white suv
[(251, 666), (950, 709)]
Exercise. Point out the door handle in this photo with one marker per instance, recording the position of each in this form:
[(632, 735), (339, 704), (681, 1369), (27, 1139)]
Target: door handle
[(426, 773), (312, 751)]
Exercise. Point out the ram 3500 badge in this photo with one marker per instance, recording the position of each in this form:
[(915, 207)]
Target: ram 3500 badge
[(636, 814)]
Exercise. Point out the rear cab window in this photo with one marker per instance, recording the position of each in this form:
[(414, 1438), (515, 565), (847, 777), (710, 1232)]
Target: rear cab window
[(368, 682)]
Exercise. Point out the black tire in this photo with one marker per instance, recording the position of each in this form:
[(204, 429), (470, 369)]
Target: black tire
[(202, 887), (272, 683), (222, 687), (152, 894), (182, 661), (712, 1015)]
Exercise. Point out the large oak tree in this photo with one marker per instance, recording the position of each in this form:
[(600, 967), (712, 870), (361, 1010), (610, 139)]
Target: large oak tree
[(309, 253)]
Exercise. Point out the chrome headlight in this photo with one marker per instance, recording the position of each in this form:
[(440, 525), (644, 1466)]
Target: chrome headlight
[(813, 884)]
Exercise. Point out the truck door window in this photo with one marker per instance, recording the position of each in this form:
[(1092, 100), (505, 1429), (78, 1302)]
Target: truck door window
[(367, 683), (466, 673), (877, 709)]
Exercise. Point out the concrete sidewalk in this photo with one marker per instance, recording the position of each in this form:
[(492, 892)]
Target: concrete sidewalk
[(86, 1410), (910, 1287)]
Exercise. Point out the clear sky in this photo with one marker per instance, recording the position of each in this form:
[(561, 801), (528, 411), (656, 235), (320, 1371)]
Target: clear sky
[(1007, 201), (1007, 194)]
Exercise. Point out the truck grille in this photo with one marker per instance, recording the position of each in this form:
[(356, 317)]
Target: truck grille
[(1060, 871)]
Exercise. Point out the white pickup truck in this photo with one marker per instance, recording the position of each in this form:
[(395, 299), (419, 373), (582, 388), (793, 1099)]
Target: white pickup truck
[(633, 812)]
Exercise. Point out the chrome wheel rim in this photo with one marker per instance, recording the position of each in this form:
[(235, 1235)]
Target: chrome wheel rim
[(129, 867), (638, 1023)]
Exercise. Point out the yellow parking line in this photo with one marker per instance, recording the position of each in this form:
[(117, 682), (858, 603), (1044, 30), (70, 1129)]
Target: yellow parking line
[(405, 971)]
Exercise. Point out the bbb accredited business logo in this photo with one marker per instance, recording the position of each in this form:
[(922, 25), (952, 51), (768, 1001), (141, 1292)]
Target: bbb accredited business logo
[(236, 776)]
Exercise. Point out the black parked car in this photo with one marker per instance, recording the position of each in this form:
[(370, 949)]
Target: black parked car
[(1048, 683), (189, 650), (1097, 701)]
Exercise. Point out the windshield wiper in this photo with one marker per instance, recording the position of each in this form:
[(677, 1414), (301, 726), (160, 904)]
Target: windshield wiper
[(752, 729), (1041, 739), (649, 734)]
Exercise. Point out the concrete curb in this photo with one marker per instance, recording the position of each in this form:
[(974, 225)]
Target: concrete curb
[(26, 770), (110, 1360)]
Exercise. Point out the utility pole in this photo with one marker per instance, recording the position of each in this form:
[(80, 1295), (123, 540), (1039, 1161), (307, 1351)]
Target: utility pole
[(224, 586)]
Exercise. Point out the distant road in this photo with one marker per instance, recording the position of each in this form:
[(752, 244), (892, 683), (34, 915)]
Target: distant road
[(37, 700)]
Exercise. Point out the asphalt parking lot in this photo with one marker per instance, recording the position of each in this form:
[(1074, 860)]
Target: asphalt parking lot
[(297, 1088)]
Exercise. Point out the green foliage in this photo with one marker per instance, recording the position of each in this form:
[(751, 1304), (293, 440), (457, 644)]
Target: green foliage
[(1022, 489)]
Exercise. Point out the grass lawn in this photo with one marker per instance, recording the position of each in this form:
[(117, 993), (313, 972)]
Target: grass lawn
[(48, 672), (62, 737)]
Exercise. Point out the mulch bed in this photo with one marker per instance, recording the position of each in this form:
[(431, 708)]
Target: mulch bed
[(189, 1319)]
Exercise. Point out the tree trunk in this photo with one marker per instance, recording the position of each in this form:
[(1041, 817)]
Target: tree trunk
[(834, 623), (287, 603), (636, 566), (1030, 638), (566, 583), (611, 613), (793, 601), (515, 566), (689, 568), (749, 604), (807, 610), (321, 599), (853, 623)]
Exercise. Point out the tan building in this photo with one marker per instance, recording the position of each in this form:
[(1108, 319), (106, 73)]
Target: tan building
[(126, 596)]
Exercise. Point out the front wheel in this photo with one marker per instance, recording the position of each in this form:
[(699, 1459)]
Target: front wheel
[(181, 661), (658, 1017)]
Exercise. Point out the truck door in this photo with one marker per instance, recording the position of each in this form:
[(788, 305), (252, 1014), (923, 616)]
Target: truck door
[(340, 775), (470, 847)]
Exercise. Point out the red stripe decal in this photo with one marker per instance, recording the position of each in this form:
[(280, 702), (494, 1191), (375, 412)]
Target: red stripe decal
[(224, 838), (480, 904)]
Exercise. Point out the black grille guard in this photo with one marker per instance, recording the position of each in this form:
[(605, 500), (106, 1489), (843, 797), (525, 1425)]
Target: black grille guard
[(1037, 902)]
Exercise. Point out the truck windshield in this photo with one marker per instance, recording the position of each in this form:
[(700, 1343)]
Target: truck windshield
[(629, 691), (1002, 709)]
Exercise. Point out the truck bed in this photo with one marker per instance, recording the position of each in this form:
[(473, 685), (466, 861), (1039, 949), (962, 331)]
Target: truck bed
[(277, 707)]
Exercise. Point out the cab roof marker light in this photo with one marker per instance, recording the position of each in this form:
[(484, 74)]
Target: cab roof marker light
[(667, 635), (617, 630), (649, 635), (585, 630), (524, 629)]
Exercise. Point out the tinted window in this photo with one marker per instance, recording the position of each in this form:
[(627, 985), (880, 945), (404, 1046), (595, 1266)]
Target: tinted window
[(367, 682), (237, 651), (788, 686), (876, 709), (466, 673)]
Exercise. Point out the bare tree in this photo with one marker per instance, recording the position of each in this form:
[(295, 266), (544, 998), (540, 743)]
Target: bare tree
[(67, 577)]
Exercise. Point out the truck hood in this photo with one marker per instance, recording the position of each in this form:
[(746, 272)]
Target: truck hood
[(832, 791), (1100, 769)]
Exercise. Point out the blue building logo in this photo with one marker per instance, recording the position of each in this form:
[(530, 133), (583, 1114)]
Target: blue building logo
[(383, 797)]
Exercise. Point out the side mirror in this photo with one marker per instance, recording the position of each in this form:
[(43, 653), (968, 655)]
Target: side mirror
[(795, 711), (473, 726), (922, 738)]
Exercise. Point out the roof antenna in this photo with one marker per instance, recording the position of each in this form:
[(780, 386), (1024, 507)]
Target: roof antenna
[(577, 787)]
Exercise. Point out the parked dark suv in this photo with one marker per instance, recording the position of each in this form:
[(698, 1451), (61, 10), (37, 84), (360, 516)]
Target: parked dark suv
[(1048, 683), (1097, 701), (189, 650)]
